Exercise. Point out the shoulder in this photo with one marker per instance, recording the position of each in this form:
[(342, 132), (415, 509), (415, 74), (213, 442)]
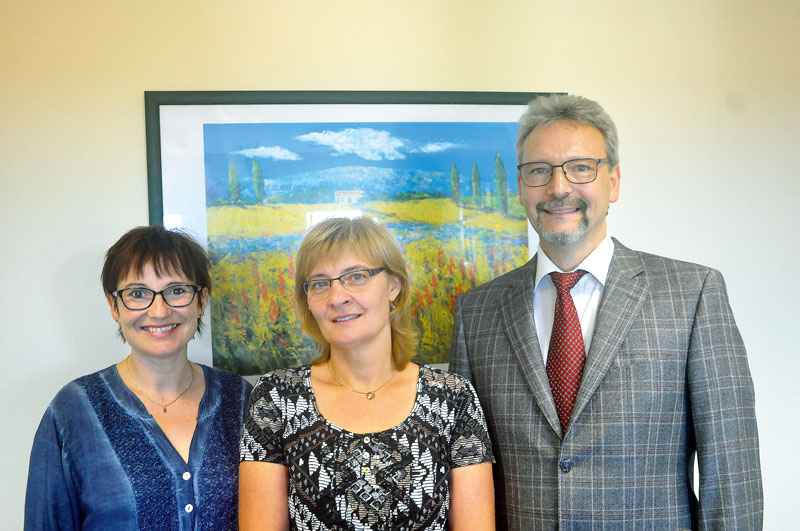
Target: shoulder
[(76, 403), (446, 383), (661, 271), (284, 381), (226, 379), (227, 393), (80, 389), (492, 291)]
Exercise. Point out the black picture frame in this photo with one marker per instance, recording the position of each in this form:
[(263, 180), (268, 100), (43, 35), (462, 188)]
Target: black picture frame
[(213, 106)]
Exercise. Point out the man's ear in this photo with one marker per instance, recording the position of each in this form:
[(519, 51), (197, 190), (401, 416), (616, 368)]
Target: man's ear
[(614, 178)]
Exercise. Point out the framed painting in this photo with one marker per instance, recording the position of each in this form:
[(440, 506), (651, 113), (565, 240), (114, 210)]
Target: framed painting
[(248, 173)]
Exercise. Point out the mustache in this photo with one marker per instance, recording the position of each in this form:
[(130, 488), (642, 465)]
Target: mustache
[(575, 202)]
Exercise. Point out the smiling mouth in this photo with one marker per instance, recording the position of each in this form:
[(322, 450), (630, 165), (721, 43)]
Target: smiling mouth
[(342, 319), (562, 207), (159, 329)]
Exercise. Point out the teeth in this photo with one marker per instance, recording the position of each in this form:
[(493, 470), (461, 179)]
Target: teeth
[(160, 329), (345, 318)]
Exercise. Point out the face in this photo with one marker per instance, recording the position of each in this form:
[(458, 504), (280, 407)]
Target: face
[(563, 213), (354, 320), (160, 330)]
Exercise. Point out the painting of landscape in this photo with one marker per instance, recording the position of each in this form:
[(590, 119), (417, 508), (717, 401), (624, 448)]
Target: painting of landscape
[(447, 190)]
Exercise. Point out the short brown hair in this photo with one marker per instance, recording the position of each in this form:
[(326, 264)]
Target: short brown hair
[(330, 239), (169, 251)]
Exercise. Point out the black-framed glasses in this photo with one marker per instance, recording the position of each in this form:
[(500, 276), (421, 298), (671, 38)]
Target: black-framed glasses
[(577, 171), (140, 298), (352, 281)]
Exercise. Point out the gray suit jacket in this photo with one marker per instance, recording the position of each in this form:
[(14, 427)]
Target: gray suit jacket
[(665, 380)]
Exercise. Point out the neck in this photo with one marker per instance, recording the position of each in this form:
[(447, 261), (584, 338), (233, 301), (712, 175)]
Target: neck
[(167, 375), (361, 372), (568, 257)]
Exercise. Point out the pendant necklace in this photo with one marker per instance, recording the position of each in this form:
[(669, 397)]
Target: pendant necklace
[(163, 405), (369, 394)]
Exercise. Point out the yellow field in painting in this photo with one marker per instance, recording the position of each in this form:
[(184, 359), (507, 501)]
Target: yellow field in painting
[(254, 326), (262, 220)]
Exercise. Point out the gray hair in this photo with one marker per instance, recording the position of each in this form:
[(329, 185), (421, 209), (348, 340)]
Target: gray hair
[(545, 110)]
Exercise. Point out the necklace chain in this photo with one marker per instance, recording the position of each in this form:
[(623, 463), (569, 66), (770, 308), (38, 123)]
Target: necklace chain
[(369, 394), (151, 399)]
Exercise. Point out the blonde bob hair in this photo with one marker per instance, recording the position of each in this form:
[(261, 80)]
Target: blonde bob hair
[(371, 241)]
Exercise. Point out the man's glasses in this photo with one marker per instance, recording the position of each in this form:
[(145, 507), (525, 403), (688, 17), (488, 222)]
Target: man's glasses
[(176, 296), (577, 171), (353, 281)]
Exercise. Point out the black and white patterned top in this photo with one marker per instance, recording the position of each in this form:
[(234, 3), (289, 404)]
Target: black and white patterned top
[(397, 479)]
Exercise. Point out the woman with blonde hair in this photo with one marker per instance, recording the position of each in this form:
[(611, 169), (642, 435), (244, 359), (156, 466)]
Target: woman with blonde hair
[(363, 438)]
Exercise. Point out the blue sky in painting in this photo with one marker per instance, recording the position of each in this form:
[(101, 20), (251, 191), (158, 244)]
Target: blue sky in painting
[(286, 149)]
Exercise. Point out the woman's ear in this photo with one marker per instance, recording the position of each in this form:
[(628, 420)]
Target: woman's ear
[(112, 303), (203, 298), (394, 288)]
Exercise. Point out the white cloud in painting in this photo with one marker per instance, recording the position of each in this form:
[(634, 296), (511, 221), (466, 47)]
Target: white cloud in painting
[(269, 152), (364, 142), (436, 147)]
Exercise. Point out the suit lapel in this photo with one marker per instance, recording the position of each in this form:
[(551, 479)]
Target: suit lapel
[(623, 296), (519, 319)]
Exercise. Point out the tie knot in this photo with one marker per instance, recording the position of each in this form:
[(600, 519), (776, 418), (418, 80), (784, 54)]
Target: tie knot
[(566, 281)]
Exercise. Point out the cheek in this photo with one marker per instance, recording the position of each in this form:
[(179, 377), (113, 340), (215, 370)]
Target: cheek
[(316, 312)]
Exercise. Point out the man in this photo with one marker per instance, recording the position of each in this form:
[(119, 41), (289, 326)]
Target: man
[(600, 396)]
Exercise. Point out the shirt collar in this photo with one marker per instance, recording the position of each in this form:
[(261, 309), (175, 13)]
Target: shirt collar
[(597, 263)]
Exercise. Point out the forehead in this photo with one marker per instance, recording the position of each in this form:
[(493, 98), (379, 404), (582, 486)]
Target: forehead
[(563, 140), (149, 274), (340, 261)]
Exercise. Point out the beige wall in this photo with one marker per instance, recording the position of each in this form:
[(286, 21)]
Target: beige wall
[(704, 94)]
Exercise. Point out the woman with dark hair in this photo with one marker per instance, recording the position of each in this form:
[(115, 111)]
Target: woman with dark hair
[(151, 442), (362, 438)]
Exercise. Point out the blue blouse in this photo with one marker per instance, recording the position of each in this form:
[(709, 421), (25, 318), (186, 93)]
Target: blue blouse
[(100, 460)]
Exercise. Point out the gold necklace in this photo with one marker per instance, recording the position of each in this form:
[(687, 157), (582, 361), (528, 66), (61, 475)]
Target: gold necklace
[(370, 394), (163, 406)]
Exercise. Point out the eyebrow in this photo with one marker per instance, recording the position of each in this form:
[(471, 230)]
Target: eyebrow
[(346, 270), (143, 285)]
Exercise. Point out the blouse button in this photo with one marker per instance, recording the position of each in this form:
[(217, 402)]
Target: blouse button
[(366, 440), (189, 508), (187, 476), (365, 455)]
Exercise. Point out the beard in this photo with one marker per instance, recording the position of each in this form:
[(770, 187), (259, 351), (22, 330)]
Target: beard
[(563, 237)]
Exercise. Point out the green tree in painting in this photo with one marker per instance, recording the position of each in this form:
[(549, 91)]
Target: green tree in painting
[(455, 184), (500, 184), (477, 193), (258, 181), (233, 183)]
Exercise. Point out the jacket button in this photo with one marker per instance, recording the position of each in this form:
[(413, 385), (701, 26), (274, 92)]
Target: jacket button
[(565, 465)]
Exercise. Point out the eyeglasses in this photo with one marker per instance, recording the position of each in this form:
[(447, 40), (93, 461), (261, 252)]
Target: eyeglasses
[(352, 281), (176, 296), (577, 171)]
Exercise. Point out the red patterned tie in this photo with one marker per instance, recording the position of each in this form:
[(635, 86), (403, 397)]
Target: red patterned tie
[(565, 355)]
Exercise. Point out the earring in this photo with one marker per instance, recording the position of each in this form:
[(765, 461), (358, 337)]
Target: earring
[(392, 305)]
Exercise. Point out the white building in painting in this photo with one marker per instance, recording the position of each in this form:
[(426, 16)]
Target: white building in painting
[(347, 197)]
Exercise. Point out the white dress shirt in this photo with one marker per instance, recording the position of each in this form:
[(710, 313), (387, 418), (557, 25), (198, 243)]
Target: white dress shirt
[(586, 294)]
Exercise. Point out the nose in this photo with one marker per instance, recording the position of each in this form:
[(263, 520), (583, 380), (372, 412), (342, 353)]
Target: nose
[(559, 185), (159, 308), (338, 293)]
